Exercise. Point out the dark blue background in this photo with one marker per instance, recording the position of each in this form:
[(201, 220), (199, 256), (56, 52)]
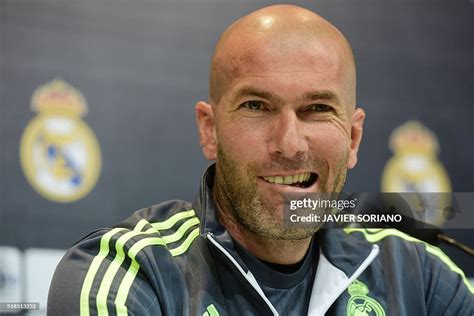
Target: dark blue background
[(142, 65)]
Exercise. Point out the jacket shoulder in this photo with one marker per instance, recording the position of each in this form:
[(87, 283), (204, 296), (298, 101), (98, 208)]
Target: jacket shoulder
[(100, 270), (158, 213), (389, 237), (444, 280)]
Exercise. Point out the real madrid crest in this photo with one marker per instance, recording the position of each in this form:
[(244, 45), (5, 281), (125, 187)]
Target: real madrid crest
[(59, 153), (360, 303), (415, 168)]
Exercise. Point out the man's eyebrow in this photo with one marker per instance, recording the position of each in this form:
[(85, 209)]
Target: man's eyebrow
[(324, 95), (252, 91)]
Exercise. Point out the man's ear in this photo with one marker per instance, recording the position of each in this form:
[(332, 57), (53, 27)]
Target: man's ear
[(357, 123), (207, 129)]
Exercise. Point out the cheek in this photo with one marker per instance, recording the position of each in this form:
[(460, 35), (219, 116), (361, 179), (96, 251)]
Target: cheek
[(331, 143), (243, 142)]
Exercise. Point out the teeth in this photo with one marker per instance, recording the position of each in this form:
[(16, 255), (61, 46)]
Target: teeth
[(301, 177)]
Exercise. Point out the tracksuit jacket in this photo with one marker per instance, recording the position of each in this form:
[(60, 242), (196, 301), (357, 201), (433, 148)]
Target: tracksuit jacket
[(169, 259)]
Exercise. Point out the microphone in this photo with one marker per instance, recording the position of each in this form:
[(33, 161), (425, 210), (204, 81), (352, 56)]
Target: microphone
[(431, 234), (390, 203)]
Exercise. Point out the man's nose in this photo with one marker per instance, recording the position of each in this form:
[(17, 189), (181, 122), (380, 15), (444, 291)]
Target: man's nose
[(287, 138)]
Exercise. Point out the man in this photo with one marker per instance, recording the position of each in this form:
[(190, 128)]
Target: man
[(281, 119)]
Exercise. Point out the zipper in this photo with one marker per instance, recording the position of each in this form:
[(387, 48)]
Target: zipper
[(248, 276)]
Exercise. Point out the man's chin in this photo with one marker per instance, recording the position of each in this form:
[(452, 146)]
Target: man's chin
[(280, 232), (295, 234)]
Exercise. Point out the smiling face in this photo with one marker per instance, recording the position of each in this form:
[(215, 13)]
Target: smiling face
[(281, 119)]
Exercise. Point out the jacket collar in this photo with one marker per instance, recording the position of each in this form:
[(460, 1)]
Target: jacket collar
[(342, 257), (206, 211), (204, 205)]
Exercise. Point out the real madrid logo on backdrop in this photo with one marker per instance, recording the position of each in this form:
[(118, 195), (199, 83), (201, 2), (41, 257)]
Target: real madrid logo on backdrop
[(415, 168), (59, 153)]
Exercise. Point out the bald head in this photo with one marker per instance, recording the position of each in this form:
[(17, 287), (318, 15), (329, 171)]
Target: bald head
[(288, 31)]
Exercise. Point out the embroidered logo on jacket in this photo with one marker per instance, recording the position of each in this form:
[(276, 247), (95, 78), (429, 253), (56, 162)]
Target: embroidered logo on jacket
[(360, 303)]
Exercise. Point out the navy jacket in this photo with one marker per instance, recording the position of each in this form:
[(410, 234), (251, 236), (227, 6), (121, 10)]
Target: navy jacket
[(167, 260)]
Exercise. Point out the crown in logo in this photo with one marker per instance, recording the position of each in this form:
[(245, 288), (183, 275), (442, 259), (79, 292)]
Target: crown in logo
[(414, 137), (358, 288), (58, 96)]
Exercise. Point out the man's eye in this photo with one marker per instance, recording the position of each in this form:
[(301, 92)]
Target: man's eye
[(320, 108), (253, 105)]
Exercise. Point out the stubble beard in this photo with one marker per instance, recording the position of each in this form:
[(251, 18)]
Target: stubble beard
[(237, 194)]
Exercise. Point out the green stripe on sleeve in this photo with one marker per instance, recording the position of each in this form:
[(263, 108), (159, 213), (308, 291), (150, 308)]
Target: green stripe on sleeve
[(167, 224), (185, 245), (120, 258), (127, 281), (181, 231), (375, 235), (94, 267), (101, 299), (212, 310), (108, 278)]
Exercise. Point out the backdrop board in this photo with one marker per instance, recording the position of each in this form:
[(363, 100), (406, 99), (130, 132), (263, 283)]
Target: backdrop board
[(141, 66)]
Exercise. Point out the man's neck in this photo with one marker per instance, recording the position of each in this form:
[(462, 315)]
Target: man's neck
[(278, 251)]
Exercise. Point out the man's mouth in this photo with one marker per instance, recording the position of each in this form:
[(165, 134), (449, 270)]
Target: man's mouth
[(300, 180)]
